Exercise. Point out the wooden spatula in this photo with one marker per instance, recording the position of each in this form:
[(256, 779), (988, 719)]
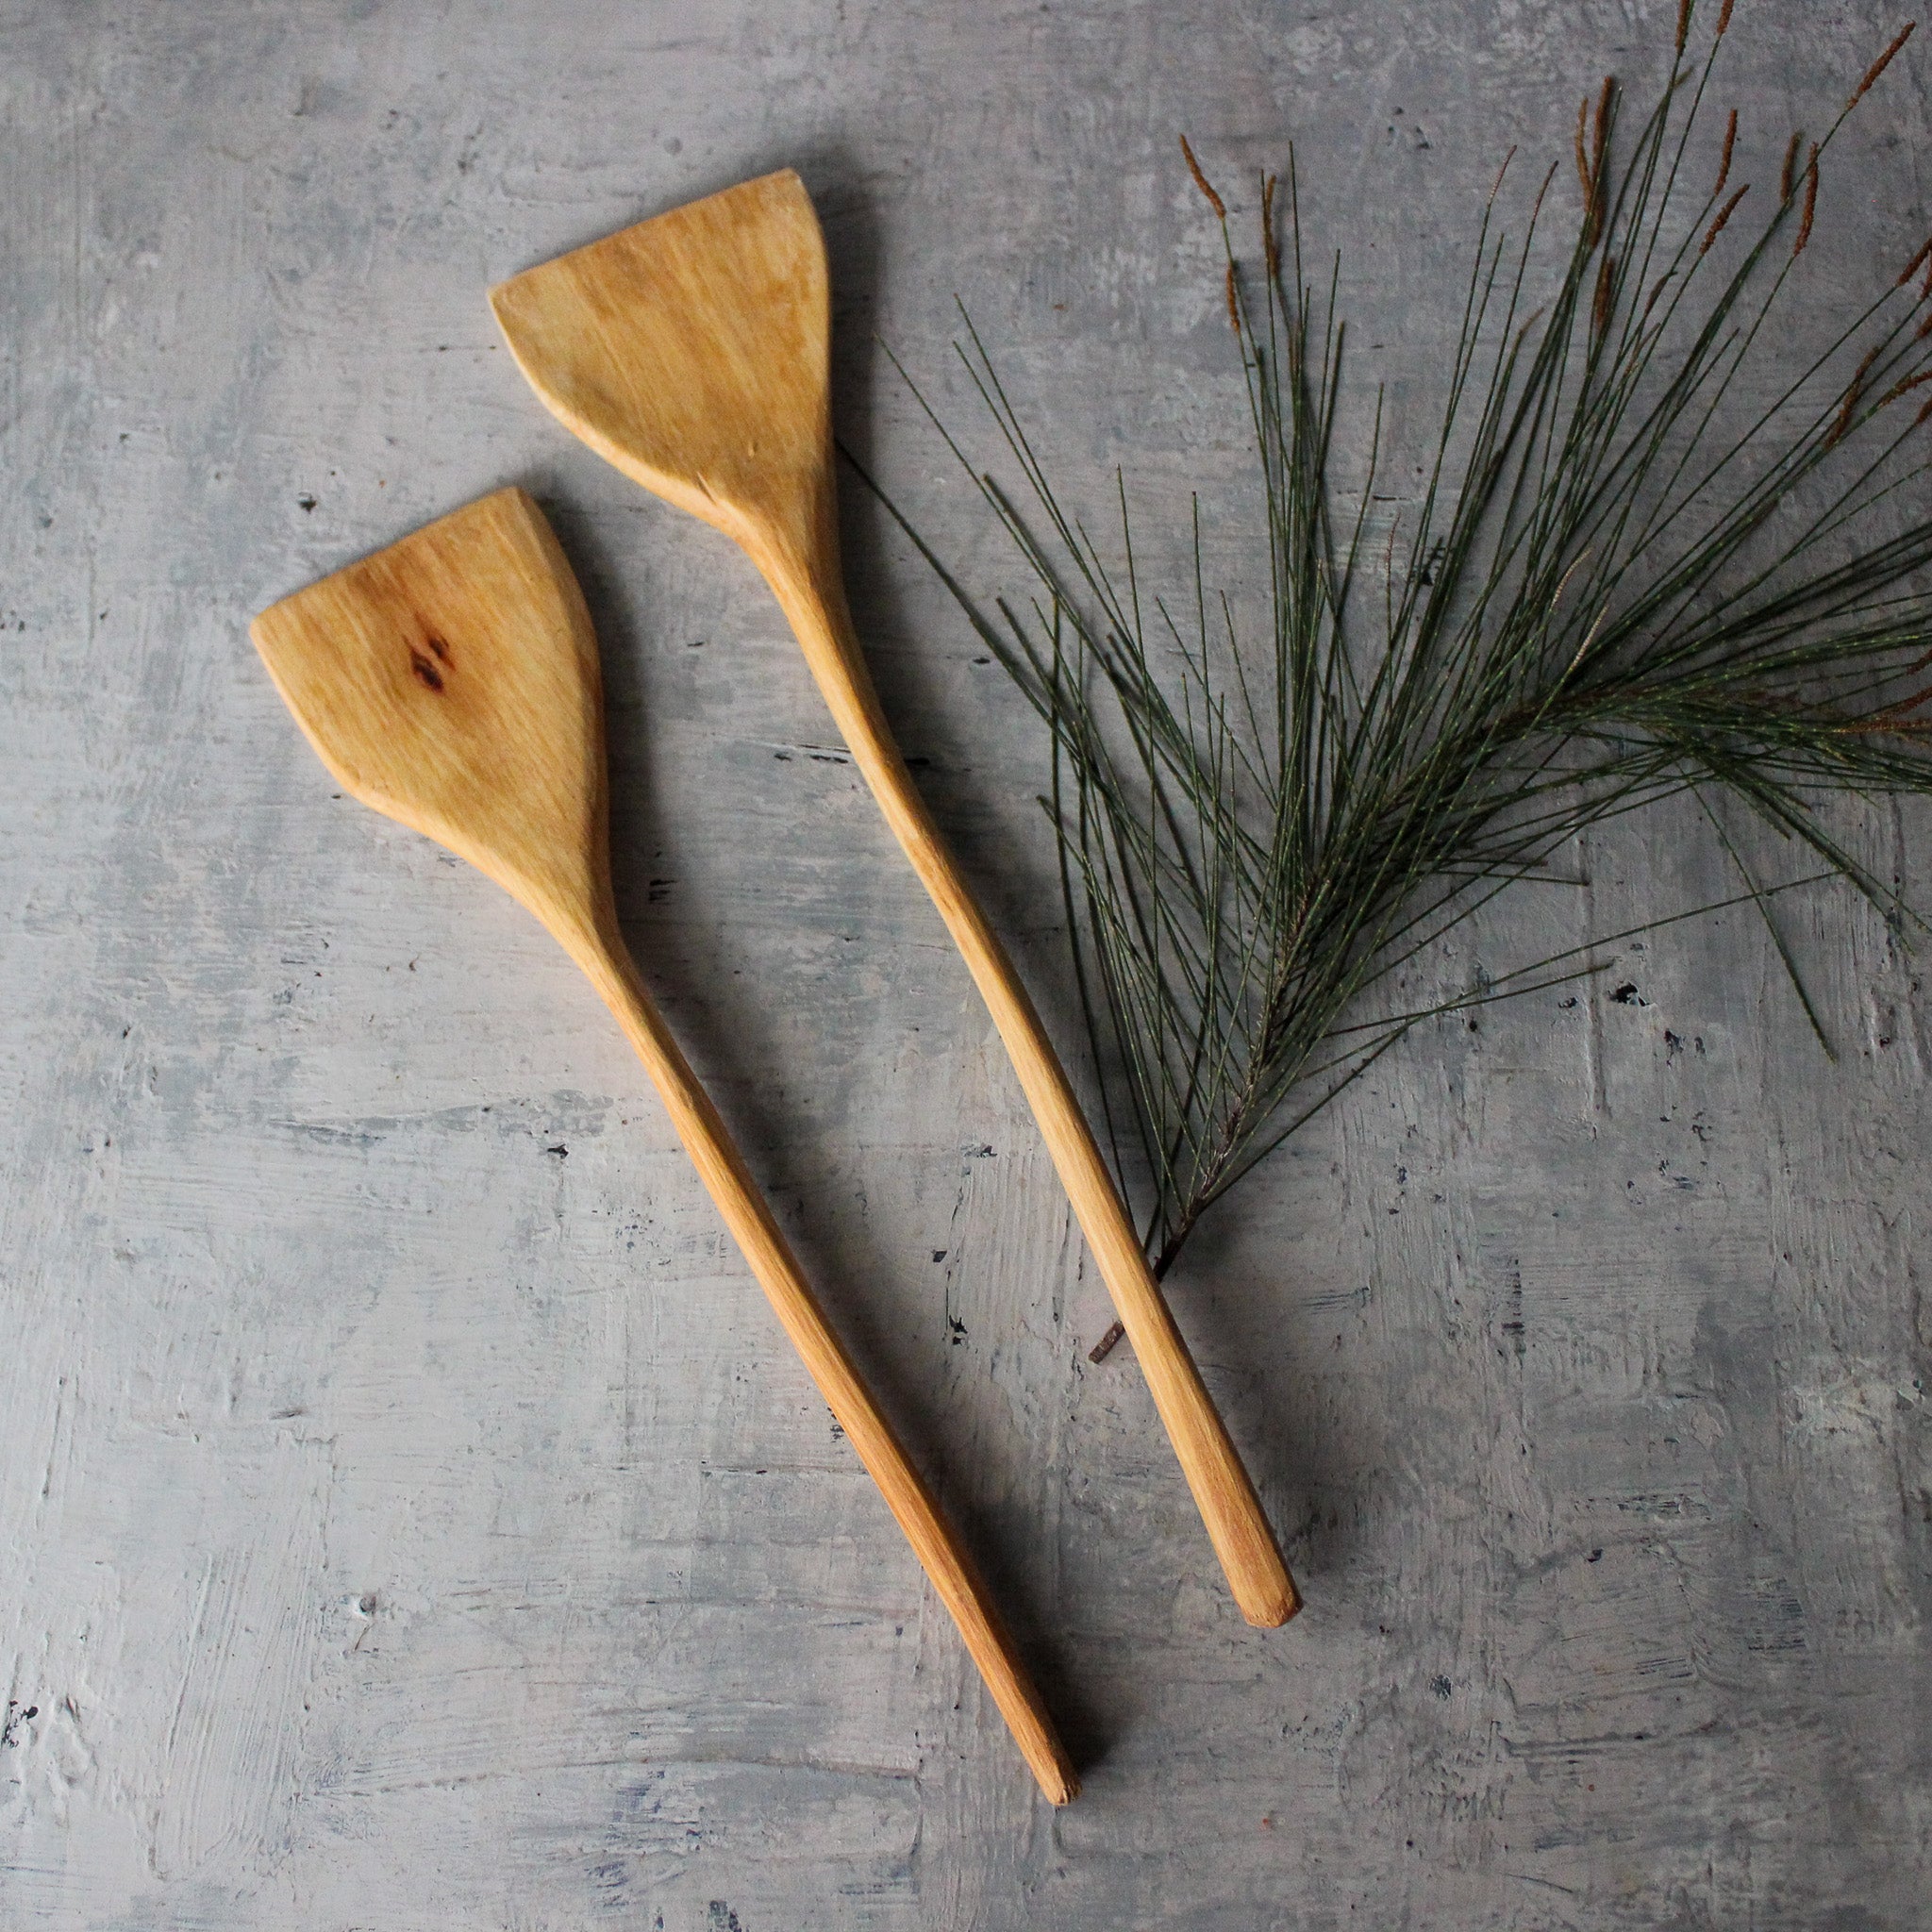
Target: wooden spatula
[(451, 682), (693, 352)]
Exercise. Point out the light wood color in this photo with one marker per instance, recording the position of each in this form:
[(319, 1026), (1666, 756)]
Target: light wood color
[(693, 352), (451, 682)]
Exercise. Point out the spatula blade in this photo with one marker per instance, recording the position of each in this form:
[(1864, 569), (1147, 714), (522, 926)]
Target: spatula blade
[(451, 682), (692, 351)]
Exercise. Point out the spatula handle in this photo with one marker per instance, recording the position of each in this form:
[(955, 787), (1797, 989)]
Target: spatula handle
[(1225, 1497), (934, 1542)]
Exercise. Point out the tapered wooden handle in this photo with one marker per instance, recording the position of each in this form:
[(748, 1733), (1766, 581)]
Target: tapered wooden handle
[(1255, 1571), (934, 1542)]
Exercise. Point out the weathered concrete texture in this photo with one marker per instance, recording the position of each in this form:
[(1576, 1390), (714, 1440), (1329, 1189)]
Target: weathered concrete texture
[(409, 1513)]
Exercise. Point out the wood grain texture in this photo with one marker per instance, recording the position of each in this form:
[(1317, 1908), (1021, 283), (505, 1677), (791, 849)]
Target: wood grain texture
[(451, 682), (405, 1518), (693, 352)]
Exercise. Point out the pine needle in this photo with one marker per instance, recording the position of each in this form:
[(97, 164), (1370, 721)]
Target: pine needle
[(1616, 585)]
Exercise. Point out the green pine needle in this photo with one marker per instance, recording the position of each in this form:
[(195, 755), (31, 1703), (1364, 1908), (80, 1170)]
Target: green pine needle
[(1612, 591)]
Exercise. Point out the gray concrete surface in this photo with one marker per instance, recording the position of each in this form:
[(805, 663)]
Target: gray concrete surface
[(410, 1516)]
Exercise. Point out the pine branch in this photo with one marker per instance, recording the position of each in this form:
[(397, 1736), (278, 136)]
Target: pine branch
[(1612, 591)]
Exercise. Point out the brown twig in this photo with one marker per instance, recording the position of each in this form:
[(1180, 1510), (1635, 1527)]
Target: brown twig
[(1724, 163), (1497, 187), (1724, 19), (1893, 717), (1536, 208), (1788, 178), (1683, 23), (1906, 388), (1202, 182), (1592, 170), (1854, 395), (1270, 248), (1724, 214), (1879, 65), (1811, 204)]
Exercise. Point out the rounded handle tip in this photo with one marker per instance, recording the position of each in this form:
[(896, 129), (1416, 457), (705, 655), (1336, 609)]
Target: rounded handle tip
[(1270, 1609)]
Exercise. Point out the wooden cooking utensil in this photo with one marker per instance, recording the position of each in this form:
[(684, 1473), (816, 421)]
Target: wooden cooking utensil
[(451, 682), (693, 352)]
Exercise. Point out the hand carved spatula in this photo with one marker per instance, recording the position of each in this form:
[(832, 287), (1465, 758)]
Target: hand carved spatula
[(693, 352), (451, 682)]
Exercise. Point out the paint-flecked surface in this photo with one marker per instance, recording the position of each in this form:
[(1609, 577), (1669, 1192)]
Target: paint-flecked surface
[(410, 1515)]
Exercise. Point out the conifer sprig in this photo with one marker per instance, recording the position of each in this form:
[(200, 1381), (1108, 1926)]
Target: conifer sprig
[(1616, 585)]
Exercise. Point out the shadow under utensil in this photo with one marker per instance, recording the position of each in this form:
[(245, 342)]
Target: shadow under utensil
[(938, 750), (1007, 850), (979, 766), (734, 1039), (1228, 1306), (1255, 1344)]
